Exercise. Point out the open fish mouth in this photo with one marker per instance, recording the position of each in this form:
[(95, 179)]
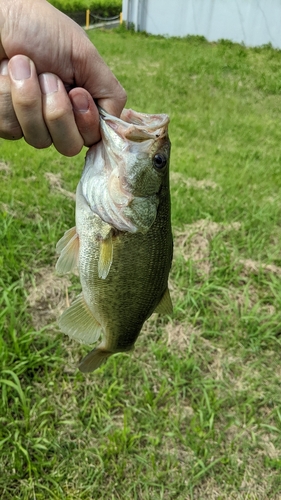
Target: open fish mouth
[(137, 127)]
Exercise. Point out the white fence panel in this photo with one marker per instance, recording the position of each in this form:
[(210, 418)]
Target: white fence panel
[(252, 22)]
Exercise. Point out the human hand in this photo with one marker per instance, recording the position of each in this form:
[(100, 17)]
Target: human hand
[(43, 54)]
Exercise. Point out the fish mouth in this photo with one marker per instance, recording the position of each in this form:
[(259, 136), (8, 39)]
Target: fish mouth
[(137, 127)]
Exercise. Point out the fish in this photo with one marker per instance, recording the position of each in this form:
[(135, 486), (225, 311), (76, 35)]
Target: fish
[(122, 244)]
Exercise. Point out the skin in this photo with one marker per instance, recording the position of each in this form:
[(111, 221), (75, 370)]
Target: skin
[(50, 75)]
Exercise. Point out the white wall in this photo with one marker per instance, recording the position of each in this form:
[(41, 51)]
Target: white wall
[(252, 22)]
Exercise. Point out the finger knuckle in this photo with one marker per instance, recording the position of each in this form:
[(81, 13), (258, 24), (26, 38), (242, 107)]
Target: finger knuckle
[(58, 113), (26, 104)]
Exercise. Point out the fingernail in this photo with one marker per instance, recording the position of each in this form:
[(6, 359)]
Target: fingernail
[(80, 103), (20, 68), (4, 67), (48, 83)]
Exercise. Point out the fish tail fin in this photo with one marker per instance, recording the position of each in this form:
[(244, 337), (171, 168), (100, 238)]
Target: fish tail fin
[(94, 360)]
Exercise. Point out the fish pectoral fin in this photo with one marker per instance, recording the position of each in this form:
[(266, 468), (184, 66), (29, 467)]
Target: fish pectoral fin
[(79, 323), (68, 235), (106, 257), (93, 360), (165, 305), (68, 248)]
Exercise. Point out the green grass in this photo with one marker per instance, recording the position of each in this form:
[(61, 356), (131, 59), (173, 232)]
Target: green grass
[(195, 411)]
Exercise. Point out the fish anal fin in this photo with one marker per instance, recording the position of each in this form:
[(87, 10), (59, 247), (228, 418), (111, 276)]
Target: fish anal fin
[(69, 255), (106, 257), (93, 360), (79, 323), (165, 305)]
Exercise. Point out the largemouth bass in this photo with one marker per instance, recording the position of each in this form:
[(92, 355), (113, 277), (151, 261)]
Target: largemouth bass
[(122, 243)]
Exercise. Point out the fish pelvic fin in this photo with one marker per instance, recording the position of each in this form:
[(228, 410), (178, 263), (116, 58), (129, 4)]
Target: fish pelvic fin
[(165, 305), (68, 248), (106, 257), (94, 360), (79, 323)]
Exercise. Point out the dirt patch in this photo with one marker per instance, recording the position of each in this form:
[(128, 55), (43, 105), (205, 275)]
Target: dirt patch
[(194, 241), (55, 182), (253, 266), (216, 366), (31, 178), (5, 168), (244, 298), (254, 489), (47, 297), (191, 182), (4, 207), (179, 335)]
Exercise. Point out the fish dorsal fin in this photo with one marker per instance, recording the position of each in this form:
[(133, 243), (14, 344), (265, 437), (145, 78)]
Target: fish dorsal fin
[(165, 305), (79, 323), (68, 248), (106, 257)]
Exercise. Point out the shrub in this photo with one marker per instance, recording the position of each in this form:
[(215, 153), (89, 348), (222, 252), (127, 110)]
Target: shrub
[(103, 8)]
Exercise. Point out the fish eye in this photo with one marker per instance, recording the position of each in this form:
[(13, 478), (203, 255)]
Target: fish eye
[(159, 161)]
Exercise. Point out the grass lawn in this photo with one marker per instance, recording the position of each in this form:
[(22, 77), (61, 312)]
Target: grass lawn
[(195, 411)]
